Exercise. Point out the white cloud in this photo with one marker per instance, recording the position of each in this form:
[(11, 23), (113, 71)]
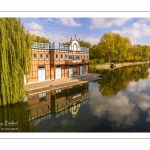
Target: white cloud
[(107, 22), (136, 31), (143, 19), (39, 33), (142, 100), (50, 19), (34, 26), (69, 22), (118, 108), (138, 86), (92, 40), (62, 37)]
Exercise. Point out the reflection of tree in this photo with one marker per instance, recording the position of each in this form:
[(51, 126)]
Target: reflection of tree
[(118, 79), (16, 113)]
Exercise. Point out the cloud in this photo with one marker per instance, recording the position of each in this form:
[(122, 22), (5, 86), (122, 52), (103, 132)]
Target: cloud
[(34, 26), (115, 108), (143, 19), (148, 117), (142, 100), (50, 19), (107, 22), (138, 86), (136, 31), (69, 22)]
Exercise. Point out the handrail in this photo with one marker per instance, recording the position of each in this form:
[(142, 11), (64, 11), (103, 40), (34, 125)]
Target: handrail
[(56, 46)]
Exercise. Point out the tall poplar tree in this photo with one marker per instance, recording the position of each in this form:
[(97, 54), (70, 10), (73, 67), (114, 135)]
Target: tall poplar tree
[(15, 59)]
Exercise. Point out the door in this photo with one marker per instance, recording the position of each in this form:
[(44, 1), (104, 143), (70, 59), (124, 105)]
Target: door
[(81, 70), (71, 72), (25, 81), (41, 73), (58, 72)]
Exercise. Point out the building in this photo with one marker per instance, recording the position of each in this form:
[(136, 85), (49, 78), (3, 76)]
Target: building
[(56, 61)]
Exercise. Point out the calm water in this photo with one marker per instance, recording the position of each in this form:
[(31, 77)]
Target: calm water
[(120, 102)]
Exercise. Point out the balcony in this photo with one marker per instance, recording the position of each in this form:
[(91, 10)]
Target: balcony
[(57, 47), (73, 62)]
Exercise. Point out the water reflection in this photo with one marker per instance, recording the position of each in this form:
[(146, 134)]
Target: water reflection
[(56, 103), (117, 109), (123, 99), (15, 118), (118, 79), (120, 102)]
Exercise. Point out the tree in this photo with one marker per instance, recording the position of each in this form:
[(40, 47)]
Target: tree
[(15, 59), (85, 44), (107, 45), (40, 39)]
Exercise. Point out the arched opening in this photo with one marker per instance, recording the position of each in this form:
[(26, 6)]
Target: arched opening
[(75, 47)]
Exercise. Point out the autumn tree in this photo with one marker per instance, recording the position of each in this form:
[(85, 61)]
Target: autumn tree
[(107, 45)]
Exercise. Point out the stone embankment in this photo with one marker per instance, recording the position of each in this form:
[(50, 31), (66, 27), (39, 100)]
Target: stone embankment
[(61, 83)]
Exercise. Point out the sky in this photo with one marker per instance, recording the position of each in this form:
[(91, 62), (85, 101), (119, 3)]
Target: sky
[(60, 30)]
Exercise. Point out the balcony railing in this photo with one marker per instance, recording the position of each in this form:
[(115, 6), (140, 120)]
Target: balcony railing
[(56, 46), (71, 62)]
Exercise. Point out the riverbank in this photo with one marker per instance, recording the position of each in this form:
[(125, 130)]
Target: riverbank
[(117, 65)]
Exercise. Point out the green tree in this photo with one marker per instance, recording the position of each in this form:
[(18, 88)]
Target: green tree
[(85, 44), (40, 39), (107, 45), (118, 79), (15, 59)]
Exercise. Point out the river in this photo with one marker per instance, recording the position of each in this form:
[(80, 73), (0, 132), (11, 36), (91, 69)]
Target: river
[(120, 102)]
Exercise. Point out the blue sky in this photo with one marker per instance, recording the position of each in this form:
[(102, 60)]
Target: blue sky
[(89, 29)]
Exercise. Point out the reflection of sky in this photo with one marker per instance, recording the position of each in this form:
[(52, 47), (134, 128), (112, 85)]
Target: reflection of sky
[(123, 108), (118, 108), (139, 86), (142, 86)]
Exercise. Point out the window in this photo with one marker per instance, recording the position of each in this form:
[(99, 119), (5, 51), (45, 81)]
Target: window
[(30, 113), (41, 55), (61, 55), (47, 56), (42, 109), (66, 56), (58, 91), (35, 45), (37, 111), (56, 55), (48, 106), (34, 55), (42, 96)]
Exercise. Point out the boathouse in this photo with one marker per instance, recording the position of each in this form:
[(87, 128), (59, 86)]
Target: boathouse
[(56, 61)]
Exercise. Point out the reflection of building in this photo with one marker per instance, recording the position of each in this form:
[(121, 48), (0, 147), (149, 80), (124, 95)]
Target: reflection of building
[(64, 98), (57, 102), (55, 61), (39, 104)]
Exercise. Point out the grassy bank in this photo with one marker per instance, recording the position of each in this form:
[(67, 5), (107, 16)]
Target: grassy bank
[(116, 65)]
